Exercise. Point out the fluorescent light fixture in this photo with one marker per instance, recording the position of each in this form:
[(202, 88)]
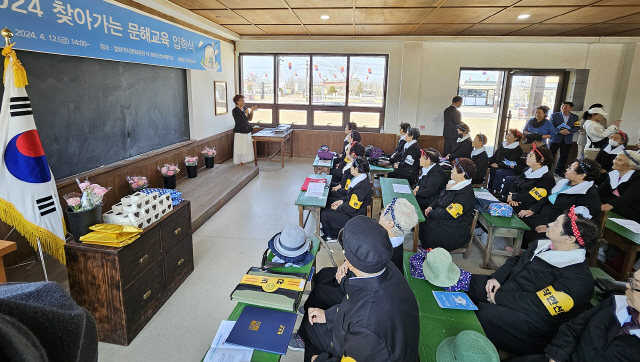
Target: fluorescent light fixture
[(324, 17), (523, 16)]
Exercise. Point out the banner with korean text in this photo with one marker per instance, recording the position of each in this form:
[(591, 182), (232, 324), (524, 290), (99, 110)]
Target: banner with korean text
[(105, 30)]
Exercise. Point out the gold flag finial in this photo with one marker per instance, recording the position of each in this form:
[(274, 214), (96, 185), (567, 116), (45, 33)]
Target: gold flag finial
[(6, 34)]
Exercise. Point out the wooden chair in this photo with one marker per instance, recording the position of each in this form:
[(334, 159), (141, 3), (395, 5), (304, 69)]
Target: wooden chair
[(369, 210), (484, 183), (467, 249), (593, 253)]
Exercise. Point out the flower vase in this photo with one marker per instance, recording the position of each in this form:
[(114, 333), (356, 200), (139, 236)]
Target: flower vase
[(192, 171), (208, 162), (80, 221), (169, 182)]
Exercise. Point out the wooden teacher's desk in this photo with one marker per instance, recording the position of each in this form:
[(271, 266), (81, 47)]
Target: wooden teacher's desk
[(267, 135), (626, 240), (5, 248)]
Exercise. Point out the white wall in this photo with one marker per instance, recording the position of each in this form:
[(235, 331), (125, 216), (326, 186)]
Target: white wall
[(203, 121), (423, 74)]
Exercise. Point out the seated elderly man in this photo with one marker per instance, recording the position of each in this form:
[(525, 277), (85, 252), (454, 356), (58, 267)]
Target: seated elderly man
[(378, 318)]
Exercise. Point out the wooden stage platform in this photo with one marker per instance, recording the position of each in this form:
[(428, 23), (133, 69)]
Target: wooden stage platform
[(213, 188)]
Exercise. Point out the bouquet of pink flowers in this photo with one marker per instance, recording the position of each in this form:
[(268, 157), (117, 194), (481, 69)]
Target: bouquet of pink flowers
[(209, 152), (91, 196), (169, 170), (191, 161), (138, 183)]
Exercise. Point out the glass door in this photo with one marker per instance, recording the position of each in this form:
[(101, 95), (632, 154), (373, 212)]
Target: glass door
[(527, 90)]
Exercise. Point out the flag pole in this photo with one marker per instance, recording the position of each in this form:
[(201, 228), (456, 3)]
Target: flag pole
[(44, 268), (6, 34)]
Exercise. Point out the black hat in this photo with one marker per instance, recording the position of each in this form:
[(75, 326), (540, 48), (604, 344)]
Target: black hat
[(366, 244), (532, 137)]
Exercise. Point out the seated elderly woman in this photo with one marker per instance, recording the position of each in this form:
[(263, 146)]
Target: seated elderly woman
[(508, 150), (406, 164), (339, 190), (354, 203), (621, 191), (432, 179), (449, 216), (576, 189), (535, 183), (523, 303), (464, 144), (398, 218), (608, 332), (336, 173)]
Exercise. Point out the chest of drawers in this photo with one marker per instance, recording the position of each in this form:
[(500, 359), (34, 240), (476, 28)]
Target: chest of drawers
[(124, 287)]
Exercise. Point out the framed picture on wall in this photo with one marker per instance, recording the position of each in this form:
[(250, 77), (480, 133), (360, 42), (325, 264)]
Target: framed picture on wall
[(220, 90)]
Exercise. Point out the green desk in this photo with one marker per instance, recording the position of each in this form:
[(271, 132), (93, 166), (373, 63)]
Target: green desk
[(597, 273), (374, 169), (313, 204), (510, 227), (624, 239), (436, 324), (260, 356), (386, 184), (318, 167)]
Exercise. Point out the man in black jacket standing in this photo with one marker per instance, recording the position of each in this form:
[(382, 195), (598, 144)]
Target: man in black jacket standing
[(452, 118), (378, 318)]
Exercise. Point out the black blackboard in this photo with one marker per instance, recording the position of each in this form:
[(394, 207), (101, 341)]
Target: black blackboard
[(91, 112)]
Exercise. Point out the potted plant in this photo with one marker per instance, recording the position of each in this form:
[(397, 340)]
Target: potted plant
[(209, 155), (137, 183), (169, 175), (192, 166), (85, 209)]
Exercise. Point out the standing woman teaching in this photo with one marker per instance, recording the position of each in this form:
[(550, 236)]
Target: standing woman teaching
[(242, 144)]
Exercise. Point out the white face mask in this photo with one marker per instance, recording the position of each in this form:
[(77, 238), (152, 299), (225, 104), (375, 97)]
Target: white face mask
[(613, 143)]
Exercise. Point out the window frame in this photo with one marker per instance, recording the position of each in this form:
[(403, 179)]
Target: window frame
[(346, 109)]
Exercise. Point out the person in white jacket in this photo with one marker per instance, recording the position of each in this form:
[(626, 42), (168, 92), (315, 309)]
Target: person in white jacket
[(597, 135)]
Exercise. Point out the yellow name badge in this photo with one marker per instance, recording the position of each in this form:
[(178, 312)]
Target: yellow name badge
[(347, 184), (271, 284), (347, 359), (354, 202), (556, 302), (538, 193), (455, 210), (576, 124)]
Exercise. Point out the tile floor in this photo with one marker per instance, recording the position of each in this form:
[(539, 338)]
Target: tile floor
[(224, 248)]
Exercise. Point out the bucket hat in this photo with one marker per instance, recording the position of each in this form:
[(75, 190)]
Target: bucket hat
[(291, 242), (437, 267), (467, 346)]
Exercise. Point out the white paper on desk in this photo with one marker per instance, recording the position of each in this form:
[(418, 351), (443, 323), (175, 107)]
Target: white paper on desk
[(485, 195), (401, 189), (223, 352), (315, 189), (324, 162), (629, 224)]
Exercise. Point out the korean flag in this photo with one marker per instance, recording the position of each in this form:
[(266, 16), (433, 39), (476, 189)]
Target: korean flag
[(28, 196)]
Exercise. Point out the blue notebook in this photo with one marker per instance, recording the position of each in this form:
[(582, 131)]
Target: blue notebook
[(454, 300), (263, 329)]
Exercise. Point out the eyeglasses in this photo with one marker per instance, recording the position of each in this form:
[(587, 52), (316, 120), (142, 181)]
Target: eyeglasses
[(634, 285)]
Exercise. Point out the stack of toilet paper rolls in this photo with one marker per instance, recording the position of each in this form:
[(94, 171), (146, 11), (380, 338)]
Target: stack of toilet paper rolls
[(139, 210)]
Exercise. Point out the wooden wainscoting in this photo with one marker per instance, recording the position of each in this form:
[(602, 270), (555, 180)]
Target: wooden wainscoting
[(114, 176)]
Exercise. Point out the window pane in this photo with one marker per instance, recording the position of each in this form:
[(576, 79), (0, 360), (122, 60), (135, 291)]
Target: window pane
[(365, 119), (262, 116), (296, 118), (326, 118), (257, 78), (329, 80), (366, 84), (293, 80)]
